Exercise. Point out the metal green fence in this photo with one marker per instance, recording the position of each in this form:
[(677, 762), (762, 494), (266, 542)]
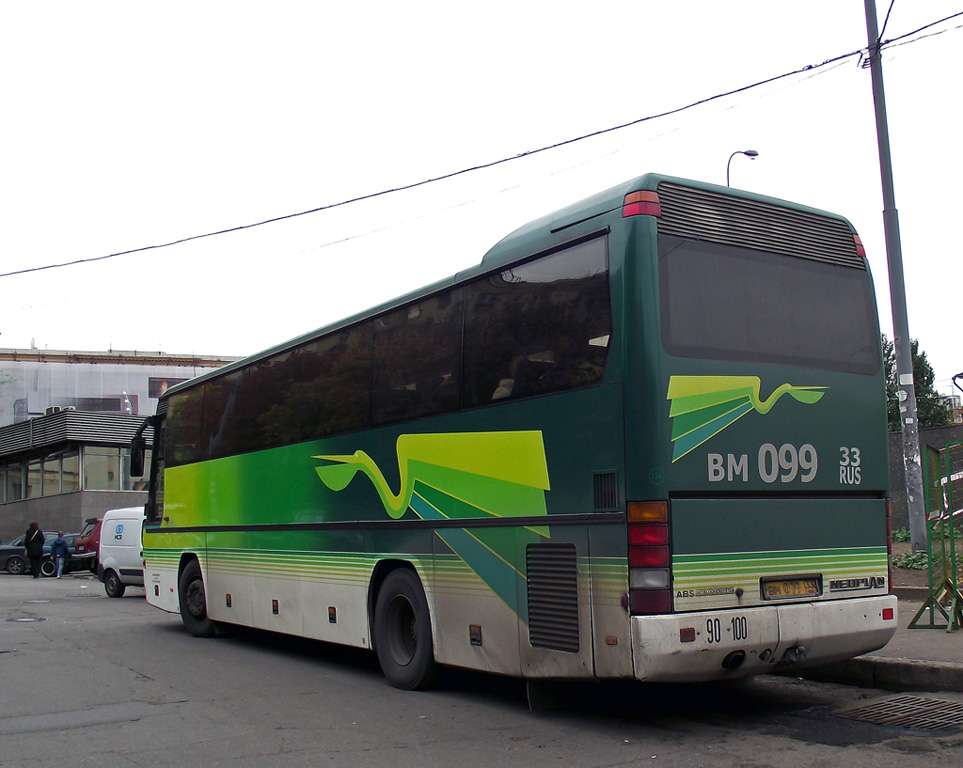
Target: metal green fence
[(943, 488)]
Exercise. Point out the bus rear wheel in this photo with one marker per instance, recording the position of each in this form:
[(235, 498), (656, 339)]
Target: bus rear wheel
[(193, 601), (403, 631)]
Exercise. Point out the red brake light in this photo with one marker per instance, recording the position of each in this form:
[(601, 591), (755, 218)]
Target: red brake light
[(648, 535), (644, 203), (860, 251)]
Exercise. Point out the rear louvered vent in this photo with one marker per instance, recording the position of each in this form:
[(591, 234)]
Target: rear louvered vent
[(552, 597), (606, 491), (703, 215)]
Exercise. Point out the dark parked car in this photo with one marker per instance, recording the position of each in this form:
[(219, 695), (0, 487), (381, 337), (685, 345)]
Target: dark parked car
[(13, 561)]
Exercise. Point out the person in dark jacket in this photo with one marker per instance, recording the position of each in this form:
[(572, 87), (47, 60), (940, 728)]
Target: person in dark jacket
[(59, 550), (33, 543)]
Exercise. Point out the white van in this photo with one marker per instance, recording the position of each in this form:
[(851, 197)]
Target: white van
[(120, 560)]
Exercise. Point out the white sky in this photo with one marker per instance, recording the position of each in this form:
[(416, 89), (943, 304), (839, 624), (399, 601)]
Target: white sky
[(130, 124)]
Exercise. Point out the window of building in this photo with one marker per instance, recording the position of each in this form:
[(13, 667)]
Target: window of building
[(13, 483), (51, 476), (127, 482), (34, 479), (70, 472), (101, 468)]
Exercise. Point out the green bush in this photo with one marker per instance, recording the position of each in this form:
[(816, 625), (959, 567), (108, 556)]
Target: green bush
[(918, 561), (902, 534)]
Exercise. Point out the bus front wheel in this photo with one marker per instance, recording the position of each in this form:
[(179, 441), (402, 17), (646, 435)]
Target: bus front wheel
[(403, 631), (193, 601)]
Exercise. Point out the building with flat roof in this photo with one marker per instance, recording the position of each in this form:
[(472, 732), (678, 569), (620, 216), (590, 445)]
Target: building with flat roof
[(66, 422)]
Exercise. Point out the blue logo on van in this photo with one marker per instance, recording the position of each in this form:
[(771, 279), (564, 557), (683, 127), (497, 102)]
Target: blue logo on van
[(119, 532)]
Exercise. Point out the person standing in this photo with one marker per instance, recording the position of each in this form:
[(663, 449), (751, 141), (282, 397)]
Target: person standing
[(60, 550), (33, 543)]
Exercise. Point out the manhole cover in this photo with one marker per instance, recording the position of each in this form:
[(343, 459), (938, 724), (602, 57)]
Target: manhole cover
[(911, 712)]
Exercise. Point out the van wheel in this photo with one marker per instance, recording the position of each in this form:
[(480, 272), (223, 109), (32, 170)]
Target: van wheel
[(113, 586), (193, 600), (16, 565), (48, 568), (403, 631)]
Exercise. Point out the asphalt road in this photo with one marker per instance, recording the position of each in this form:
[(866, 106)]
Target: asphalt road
[(90, 681)]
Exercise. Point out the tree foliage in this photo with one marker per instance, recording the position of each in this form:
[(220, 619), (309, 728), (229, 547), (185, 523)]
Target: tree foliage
[(932, 408)]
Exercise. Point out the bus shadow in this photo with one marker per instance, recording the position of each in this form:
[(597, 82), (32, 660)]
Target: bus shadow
[(752, 700)]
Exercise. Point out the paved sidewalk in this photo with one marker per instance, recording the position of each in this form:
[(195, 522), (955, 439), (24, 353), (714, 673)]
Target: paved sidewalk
[(914, 660)]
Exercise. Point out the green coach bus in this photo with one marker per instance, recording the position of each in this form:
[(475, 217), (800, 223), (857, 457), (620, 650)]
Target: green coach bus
[(644, 438)]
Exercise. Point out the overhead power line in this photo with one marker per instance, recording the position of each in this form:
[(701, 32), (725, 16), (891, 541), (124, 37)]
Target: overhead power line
[(491, 164)]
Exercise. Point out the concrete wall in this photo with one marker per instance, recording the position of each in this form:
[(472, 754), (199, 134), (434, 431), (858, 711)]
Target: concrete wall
[(65, 512), (937, 439)]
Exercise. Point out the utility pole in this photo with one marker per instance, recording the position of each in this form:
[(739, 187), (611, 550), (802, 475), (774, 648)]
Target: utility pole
[(902, 346)]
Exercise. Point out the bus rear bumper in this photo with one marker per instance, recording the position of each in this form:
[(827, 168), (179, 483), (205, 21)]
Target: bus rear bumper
[(719, 645)]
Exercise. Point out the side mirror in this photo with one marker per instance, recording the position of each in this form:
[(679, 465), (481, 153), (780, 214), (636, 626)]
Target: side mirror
[(138, 449)]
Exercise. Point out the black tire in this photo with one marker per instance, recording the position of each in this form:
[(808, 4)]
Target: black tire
[(403, 631), (16, 565), (193, 601), (113, 586), (48, 568)]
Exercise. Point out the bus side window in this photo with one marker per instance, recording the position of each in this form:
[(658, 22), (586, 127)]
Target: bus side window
[(416, 353), (540, 327)]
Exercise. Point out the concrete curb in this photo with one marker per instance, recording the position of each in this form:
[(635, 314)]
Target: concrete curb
[(918, 594), (891, 674), (900, 673)]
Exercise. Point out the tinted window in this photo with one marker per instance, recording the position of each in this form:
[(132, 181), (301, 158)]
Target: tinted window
[(268, 403), (336, 383), (417, 350), (220, 427), (254, 408), (184, 426), (728, 303), (540, 327)]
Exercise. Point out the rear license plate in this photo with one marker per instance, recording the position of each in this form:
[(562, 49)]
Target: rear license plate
[(780, 589)]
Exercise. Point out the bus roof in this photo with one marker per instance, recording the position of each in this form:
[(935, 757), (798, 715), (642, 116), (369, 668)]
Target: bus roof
[(535, 236)]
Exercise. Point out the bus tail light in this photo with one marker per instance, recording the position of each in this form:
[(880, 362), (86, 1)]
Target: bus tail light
[(860, 251), (645, 203), (649, 558)]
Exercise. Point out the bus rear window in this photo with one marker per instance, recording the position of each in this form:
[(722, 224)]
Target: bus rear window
[(729, 303)]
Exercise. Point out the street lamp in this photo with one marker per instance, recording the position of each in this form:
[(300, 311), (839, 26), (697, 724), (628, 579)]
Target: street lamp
[(750, 153)]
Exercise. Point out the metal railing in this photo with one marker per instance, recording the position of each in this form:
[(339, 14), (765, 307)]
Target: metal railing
[(943, 492)]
